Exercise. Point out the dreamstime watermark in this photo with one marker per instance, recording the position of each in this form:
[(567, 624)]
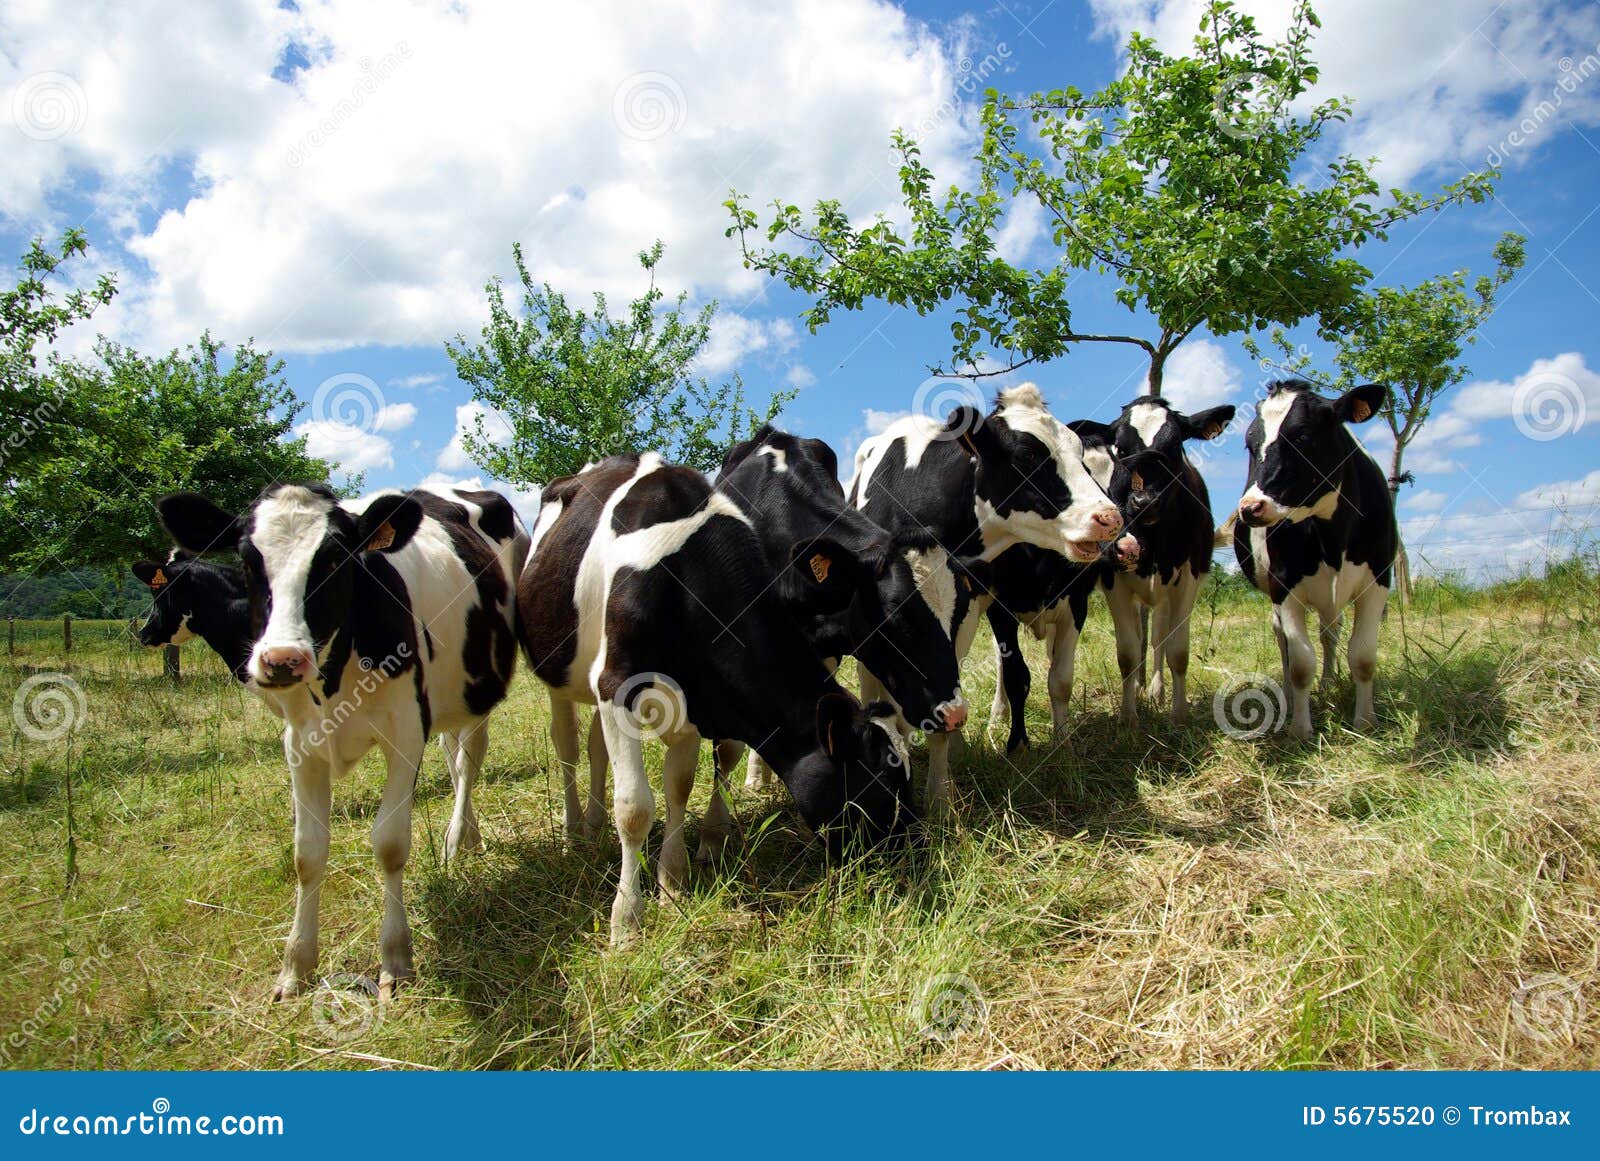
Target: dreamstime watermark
[(1574, 74), (1549, 1007), (970, 74), (1249, 706), (73, 974), (656, 703), (373, 675), (351, 406), (373, 76), (48, 106), (948, 1006), (160, 1121), (345, 1007), (49, 706), (647, 106), (1246, 104), (1548, 406), (938, 398), (25, 427)]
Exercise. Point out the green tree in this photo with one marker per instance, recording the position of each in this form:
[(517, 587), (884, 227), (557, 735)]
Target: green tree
[(132, 427), (1177, 179), (31, 316), (577, 386)]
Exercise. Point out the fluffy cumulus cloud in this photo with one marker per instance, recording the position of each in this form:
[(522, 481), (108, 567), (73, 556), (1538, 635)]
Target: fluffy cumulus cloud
[(1435, 82), (1198, 375), (356, 169), (496, 428)]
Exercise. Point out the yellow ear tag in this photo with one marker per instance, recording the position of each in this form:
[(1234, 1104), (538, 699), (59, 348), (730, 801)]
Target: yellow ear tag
[(382, 538), (819, 567), (158, 580), (1359, 410), (1138, 482)]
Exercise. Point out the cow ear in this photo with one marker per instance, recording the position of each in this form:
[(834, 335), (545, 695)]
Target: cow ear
[(966, 426), (150, 573), (973, 573), (1208, 424), (197, 524), (1087, 429), (826, 572), (1360, 404), (1147, 470), (389, 523), (836, 719)]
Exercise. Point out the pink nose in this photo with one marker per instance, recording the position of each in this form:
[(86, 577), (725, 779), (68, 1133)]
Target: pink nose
[(1128, 550), (1252, 510), (286, 663), (954, 715), (1107, 522)]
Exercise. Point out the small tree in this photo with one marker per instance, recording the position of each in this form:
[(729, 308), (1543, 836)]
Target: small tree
[(1177, 179), (131, 427), (576, 387)]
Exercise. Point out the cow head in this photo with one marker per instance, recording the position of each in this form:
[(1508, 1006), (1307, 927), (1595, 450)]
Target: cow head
[(1299, 451), (854, 789), (173, 600), (896, 608), (1031, 483), (300, 549)]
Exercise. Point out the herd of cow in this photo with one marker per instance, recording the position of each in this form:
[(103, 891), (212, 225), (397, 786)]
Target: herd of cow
[(719, 610)]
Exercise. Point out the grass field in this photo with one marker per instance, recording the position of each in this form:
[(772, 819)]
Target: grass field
[(1424, 896)]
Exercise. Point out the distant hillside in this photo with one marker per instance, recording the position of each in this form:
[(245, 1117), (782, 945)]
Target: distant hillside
[(83, 592)]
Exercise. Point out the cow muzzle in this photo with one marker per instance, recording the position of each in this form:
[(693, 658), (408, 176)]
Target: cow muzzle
[(281, 666), (950, 715)]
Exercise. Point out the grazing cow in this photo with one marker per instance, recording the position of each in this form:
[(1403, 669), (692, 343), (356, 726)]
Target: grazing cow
[(908, 595), (1316, 530), (981, 484), (1167, 511), (378, 621), (648, 595)]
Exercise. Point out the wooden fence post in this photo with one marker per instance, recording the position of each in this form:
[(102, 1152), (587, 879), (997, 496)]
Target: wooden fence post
[(169, 663), (11, 634), (66, 632)]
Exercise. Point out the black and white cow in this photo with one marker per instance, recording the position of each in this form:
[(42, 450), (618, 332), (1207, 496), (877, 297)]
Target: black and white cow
[(1167, 511), (374, 622), (1316, 530), (908, 594), (648, 595), (981, 484), (191, 597)]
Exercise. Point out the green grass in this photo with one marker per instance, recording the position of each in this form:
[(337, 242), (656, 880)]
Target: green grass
[(1146, 898)]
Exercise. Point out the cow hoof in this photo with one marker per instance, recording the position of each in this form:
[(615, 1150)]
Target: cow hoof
[(457, 843), (389, 984), (713, 846), (288, 987)]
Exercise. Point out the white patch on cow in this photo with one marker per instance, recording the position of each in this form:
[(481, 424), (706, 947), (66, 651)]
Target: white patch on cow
[(1273, 512), (549, 512), (1099, 462), (287, 529), (930, 568), (917, 432), (182, 634), (1274, 409), (1147, 419), (1258, 557), (902, 753), (1022, 395), (780, 462)]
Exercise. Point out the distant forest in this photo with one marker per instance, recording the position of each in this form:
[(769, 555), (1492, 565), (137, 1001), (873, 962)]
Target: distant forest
[(83, 592)]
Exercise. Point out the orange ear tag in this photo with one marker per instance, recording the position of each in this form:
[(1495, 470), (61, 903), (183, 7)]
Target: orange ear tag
[(382, 538), (819, 567), (158, 580)]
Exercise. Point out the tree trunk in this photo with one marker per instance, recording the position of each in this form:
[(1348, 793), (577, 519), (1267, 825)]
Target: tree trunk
[(1158, 363), (169, 662), (1402, 566)]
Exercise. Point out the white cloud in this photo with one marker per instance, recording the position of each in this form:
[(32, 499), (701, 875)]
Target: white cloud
[(394, 417), (734, 337), (1424, 500), (1434, 82), (800, 377), (878, 421), (496, 428), (1564, 379), (349, 448), (1198, 375), (411, 382), (368, 204)]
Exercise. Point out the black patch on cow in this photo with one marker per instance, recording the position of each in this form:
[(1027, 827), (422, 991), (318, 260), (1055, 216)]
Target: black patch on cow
[(212, 596), (497, 518)]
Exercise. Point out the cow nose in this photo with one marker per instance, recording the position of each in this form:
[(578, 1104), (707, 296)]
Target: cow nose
[(1251, 510), (952, 714), (286, 663), (1107, 522), (1128, 550)]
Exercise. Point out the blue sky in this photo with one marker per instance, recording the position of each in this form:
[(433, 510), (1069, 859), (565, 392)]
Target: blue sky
[(338, 180)]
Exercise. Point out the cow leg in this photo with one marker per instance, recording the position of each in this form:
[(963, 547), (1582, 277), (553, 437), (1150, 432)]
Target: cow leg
[(677, 780), (312, 785), (1301, 658), (999, 707), (594, 813), (1283, 642), (1331, 625), (718, 822), (1179, 604), (1364, 650), (1013, 674), (564, 736), (758, 776), (1129, 629), (1063, 660), (1144, 641), (469, 745), (635, 808), (391, 845), (1160, 627)]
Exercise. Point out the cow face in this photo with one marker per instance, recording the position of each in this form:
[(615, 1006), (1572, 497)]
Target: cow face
[(896, 608), (1152, 424), (1031, 482), (300, 549), (1299, 449), (172, 600), (854, 790)]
